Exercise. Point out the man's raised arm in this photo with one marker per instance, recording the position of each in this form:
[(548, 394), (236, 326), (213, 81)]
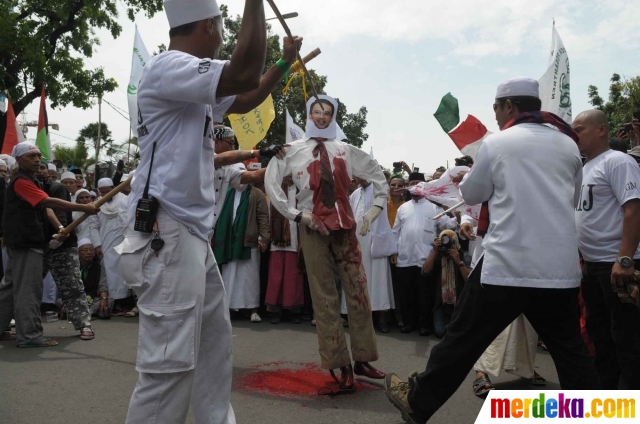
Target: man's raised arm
[(242, 73)]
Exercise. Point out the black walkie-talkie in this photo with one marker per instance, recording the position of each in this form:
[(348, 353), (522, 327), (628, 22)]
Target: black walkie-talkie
[(147, 208)]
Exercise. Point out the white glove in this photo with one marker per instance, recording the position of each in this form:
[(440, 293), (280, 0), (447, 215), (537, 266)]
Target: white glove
[(371, 215), (313, 222)]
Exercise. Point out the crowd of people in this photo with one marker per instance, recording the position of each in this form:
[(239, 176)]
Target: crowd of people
[(324, 235)]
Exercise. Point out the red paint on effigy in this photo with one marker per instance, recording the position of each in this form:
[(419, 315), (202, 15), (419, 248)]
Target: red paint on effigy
[(291, 380)]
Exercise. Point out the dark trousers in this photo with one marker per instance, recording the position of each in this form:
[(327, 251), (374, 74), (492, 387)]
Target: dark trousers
[(417, 297), (397, 293), (614, 328), (482, 313)]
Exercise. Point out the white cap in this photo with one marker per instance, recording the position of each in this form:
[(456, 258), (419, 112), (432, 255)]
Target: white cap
[(84, 241), (105, 182), (181, 12), (68, 176), (52, 167), (93, 193), (23, 148), (518, 87), (79, 192)]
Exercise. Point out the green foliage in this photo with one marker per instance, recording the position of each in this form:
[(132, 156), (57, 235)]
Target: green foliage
[(46, 41), (77, 156), (89, 135), (353, 124), (624, 100)]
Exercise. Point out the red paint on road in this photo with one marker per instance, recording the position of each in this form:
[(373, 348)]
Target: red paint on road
[(291, 380)]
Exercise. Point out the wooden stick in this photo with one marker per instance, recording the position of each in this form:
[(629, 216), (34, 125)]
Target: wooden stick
[(454, 207), (288, 31), (308, 58), (126, 183)]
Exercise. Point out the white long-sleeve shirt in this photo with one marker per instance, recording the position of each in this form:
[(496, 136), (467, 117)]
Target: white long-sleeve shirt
[(531, 176), (346, 160), (415, 230)]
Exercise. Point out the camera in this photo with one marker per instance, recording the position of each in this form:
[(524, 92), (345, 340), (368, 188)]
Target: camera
[(446, 245), (146, 213), (397, 167)]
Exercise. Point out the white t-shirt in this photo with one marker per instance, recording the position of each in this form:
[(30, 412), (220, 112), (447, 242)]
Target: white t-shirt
[(177, 107), (610, 180)]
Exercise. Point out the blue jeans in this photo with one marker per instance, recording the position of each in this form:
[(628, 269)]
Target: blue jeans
[(441, 318)]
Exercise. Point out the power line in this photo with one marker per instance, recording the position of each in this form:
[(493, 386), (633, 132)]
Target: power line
[(63, 136), (117, 111)]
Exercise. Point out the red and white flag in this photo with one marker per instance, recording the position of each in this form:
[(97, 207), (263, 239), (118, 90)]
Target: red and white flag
[(445, 192)]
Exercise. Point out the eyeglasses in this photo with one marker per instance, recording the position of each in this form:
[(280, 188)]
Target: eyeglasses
[(495, 106), (325, 113), (396, 185)]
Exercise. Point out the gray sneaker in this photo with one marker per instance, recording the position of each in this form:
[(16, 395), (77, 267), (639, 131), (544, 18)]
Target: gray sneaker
[(398, 394)]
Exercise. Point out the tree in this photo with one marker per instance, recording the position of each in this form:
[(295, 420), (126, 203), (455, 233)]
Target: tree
[(624, 100), (73, 156), (89, 135), (46, 41), (353, 124)]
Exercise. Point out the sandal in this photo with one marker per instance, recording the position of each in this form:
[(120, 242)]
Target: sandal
[(132, 313), (482, 386), (7, 335), (87, 334), (536, 380), (42, 342)]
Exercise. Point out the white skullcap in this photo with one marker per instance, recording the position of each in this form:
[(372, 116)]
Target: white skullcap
[(79, 192), (84, 241), (518, 87), (93, 193), (181, 12), (23, 148), (52, 167), (105, 182), (68, 176)]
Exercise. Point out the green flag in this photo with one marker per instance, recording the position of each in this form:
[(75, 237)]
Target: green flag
[(448, 114)]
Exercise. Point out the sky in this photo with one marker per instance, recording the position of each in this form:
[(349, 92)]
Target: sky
[(399, 58)]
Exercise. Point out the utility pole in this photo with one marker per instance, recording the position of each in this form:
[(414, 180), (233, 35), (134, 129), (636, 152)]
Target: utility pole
[(96, 172)]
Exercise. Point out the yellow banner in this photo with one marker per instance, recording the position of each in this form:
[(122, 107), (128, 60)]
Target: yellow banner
[(251, 128)]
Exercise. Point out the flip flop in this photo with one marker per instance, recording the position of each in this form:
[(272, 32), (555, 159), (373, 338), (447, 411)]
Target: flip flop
[(132, 313), (44, 342), (87, 334), (536, 380), (480, 388)]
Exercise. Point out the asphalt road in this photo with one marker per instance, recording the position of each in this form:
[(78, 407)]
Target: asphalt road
[(275, 378)]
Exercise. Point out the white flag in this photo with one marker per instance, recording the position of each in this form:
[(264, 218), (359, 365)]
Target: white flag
[(138, 62), (294, 132), (445, 192), (554, 84)]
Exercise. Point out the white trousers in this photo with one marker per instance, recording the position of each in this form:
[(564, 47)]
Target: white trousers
[(184, 344)]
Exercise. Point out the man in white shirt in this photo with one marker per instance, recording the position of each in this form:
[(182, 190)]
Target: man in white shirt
[(68, 179), (322, 168), (415, 231), (184, 349), (608, 222), (111, 235), (530, 175)]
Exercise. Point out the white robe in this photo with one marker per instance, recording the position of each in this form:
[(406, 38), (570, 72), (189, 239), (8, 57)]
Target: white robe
[(111, 235), (378, 270), (242, 278)]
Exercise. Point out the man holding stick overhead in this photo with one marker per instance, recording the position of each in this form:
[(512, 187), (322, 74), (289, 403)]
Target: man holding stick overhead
[(184, 347), (322, 168)]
